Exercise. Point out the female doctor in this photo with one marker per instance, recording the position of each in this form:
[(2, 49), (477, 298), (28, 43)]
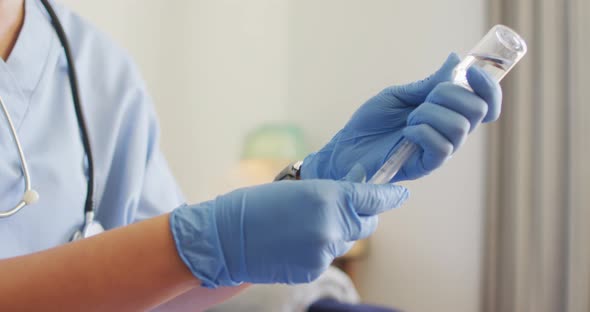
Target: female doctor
[(80, 152)]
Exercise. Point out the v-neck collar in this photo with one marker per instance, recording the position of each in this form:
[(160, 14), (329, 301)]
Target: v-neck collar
[(34, 44)]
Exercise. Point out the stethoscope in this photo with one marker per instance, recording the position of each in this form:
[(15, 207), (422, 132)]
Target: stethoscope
[(30, 196)]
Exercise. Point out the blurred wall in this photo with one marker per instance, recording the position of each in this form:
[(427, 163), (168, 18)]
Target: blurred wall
[(217, 68)]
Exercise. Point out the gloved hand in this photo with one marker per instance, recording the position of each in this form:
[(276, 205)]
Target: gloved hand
[(283, 232), (433, 113)]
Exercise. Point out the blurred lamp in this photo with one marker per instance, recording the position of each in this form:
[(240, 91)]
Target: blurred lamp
[(268, 149)]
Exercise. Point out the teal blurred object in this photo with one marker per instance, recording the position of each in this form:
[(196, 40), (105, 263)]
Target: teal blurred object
[(275, 142)]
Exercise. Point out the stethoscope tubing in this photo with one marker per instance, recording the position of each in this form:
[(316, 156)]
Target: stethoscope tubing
[(30, 195), (63, 38)]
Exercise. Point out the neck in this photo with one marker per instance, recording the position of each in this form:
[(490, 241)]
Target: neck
[(12, 15)]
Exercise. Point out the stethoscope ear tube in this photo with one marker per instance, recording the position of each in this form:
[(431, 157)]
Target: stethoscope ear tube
[(30, 196)]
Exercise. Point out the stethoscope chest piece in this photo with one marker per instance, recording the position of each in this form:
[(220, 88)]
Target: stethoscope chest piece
[(91, 227)]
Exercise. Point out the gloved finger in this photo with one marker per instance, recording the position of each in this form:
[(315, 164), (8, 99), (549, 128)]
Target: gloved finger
[(368, 226), (356, 174), (436, 148), (452, 125), (488, 89), (341, 248), (372, 199), (460, 100), (415, 93)]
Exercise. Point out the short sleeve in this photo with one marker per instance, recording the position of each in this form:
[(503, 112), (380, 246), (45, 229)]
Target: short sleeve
[(138, 184), (133, 181), (159, 192)]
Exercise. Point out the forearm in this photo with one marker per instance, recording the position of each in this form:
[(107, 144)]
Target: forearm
[(130, 268)]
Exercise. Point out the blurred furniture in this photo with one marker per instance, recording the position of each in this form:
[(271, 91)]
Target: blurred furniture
[(331, 305), (332, 284)]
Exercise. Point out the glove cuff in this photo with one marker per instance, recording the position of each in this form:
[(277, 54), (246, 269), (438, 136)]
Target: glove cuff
[(195, 234)]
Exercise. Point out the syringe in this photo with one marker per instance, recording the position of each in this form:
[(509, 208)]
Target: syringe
[(496, 53)]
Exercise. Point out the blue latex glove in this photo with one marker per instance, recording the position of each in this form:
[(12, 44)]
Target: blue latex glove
[(433, 113), (283, 232)]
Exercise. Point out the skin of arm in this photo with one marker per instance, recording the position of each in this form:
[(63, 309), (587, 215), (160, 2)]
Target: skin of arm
[(133, 268)]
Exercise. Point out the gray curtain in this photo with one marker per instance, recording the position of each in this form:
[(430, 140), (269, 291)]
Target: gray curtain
[(537, 251)]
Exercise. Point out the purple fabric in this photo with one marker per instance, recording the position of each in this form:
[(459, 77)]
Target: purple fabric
[(331, 305)]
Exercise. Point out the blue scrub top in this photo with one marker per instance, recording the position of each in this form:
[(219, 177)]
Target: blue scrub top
[(133, 181)]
